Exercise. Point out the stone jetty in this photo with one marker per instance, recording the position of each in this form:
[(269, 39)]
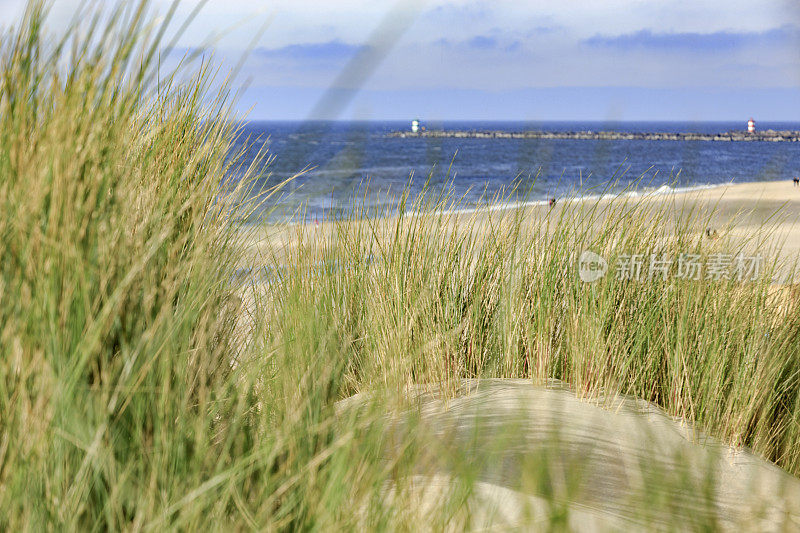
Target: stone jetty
[(729, 136)]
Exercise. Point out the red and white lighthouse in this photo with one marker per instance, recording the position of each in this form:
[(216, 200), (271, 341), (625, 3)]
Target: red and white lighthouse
[(751, 126)]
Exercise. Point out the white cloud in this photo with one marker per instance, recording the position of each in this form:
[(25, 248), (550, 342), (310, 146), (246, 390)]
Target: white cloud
[(352, 20), (494, 45)]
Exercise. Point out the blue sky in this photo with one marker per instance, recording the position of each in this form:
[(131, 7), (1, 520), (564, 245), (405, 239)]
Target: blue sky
[(503, 59)]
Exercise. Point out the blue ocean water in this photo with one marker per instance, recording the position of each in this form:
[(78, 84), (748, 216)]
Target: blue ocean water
[(344, 158)]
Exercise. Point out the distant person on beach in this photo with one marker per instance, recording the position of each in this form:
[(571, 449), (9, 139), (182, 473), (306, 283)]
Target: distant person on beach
[(796, 181), (552, 202)]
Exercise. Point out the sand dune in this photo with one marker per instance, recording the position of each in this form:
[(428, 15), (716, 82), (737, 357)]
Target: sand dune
[(614, 463)]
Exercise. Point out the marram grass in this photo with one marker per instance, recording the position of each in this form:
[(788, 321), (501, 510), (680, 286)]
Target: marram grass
[(143, 387), (115, 379), (438, 295)]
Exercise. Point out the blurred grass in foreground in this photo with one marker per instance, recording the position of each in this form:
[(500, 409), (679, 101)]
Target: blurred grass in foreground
[(134, 395)]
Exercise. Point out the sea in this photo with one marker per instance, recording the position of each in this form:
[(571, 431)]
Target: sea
[(316, 169)]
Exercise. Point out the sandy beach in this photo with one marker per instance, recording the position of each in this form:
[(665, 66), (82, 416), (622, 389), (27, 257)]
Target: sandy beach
[(747, 209), (765, 215)]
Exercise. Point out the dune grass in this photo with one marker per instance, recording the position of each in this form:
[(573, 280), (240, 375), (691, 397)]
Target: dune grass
[(134, 395), (430, 295), (438, 295), (116, 336)]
